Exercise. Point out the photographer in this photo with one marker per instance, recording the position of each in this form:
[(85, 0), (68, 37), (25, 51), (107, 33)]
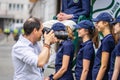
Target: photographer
[(64, 55), (28, 58)]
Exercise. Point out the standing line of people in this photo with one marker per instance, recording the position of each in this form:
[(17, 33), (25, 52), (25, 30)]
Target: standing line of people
[(29, 59), (102, 65)]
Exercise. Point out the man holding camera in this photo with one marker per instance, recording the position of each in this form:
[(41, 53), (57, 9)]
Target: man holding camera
[(28, 58)]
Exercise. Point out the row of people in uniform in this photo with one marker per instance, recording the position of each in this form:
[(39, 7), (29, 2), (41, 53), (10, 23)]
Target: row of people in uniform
[(102, 65)]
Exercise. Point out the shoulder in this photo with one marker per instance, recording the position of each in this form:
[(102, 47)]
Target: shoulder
[(20, 46), (108, 39), (68, 43), (118, 46), (89, 46)]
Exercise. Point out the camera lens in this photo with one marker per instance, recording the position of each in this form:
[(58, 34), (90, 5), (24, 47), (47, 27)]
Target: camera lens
[(61, 35), (46, 29)]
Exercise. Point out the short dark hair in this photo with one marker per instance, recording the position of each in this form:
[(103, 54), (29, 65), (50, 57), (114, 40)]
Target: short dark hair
[(30, 24)]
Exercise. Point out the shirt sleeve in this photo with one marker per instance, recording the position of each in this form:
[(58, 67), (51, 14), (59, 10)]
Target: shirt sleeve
[(88, 53), (118, 50), (64, 5), (26, 55), (108, 46), (68, 49)]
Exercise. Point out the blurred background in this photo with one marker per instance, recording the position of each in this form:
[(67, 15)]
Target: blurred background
[(13, 14)]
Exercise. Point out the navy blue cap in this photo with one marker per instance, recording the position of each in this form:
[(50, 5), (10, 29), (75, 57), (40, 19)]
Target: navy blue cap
[(117, 20), (58, 27), (105, 16), (87, 24)]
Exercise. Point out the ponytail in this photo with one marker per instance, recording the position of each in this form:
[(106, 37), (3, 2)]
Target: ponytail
[(93, 33), (95, 38), (70, 32)]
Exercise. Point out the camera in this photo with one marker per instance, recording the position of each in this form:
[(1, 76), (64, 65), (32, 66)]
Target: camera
[(63, 35)]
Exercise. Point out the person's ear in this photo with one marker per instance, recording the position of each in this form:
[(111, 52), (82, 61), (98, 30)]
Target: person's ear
[(105, 23), (34, 30), (86, 31)]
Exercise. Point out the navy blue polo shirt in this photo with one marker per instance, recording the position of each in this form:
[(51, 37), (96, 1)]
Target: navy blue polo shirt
[(76, 7), (66, 48), (114, 54), (107, 45), (86, 52)]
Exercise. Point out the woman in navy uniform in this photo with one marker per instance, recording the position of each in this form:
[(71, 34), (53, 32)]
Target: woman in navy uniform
[(72, 9), (86, 54), (114, 72), (102, 59), (64, 55)]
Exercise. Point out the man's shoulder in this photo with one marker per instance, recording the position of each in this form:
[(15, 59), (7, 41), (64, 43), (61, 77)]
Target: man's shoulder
[(19, 44)]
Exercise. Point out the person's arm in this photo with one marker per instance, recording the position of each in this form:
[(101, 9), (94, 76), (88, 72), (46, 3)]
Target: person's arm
[(43, 57), (85, 9), (63, 16), (45, 54), (88, 57), (103, 67), (86, 64), (64, 67), (116, 68)]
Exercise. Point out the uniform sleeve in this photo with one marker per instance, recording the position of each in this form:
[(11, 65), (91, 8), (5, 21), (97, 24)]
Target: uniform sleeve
[(108, 46), (26, 55), (85, 9), (118, 50), (88, 53), (64, 5), (68, 49)]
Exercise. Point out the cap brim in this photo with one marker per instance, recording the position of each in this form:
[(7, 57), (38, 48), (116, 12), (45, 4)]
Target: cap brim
[(95, 20), (114, 22)]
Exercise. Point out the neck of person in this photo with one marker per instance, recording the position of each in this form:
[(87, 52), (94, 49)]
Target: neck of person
[(106, 32), (30, 38), (85, 38)]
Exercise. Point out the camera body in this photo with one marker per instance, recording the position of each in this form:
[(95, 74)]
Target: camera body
[(63, 35)]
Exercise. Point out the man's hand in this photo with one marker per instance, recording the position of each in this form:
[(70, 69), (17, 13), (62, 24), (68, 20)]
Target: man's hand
[(63, 16), (48, 37)]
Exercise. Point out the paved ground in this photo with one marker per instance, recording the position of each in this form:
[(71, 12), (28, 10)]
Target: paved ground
[(2, 36), (6, 67)]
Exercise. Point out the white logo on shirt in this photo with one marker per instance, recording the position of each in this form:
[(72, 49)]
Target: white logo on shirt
[(75, 1)]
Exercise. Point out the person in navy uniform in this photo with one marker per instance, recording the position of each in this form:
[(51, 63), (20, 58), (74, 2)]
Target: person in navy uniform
[(102, 59), (64, 56), (72, 9), (70, 12), (114, 72), (86, 54)]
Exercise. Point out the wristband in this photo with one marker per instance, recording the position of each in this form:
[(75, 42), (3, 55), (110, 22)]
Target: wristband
[(46, 45), (51, 77)]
